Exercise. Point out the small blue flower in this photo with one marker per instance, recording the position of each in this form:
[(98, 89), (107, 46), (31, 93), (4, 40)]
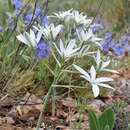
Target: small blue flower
[(45, 21), (1, 28), (38, 11), (123, 38), (108, 45), (27, 18), (111, 43), (119, 51), (18, 4), (38, 15), (10, 25), (17, 13), (108, 35), (97, 27), (43, 50)]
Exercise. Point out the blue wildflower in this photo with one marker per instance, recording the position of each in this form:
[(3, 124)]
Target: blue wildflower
[(45, 21), (27, 18), (10, 25), (1, 28), (97, 27), (108, 44), (38, 11), (18, 4), (108, 35), (119, 50), (38, 14), (42, 51), (123, 38)]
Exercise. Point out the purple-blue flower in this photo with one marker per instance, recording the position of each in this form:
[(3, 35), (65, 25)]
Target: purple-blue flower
[(119, 50), (38, 12), (97, 27), (108, 44), (123, 38), (1, 28), (108, 35), (43, 50), (27, 18), (10, 25), (18, 4), (45, 21)]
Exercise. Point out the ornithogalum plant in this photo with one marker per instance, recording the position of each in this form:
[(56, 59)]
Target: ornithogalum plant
[(67, 43)]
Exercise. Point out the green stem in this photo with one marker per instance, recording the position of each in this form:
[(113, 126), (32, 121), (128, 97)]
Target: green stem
[(41, 117), (53, 101)]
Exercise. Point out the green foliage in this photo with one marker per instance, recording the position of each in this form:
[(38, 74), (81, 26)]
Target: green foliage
[(104, 122), (93, 120), (107, 119)]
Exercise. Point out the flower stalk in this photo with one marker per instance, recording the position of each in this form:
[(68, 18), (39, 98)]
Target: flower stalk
[(51, 90)]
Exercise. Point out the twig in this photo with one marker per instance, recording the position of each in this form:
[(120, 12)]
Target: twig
[(97, 11), (16, 21)]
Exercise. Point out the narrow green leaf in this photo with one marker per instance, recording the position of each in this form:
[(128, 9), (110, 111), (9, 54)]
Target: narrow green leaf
[(107, 127), (10, 5), (107, 118), (93, 120), (67, 86)]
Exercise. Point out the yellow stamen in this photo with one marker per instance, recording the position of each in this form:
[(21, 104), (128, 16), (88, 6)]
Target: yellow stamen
[(25, 1)]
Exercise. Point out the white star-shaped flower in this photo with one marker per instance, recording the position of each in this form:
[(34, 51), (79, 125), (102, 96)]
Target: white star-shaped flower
[(67, 50), (74, 15), (88, 36), (80, 18), (30, 39), (50, 32), (62, 15), (102, 65), (95, 82)]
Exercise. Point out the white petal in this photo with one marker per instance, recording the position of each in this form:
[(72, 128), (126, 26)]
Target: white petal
[(109, 70), (73, 51), (105, 64), (98, 44), (71, 45), (103, 79), (95, 90), (32, 34), (39, 35), (105, 85), (22, 39), (85, 77), (93, 73), (62, 49), (81, 71), (98, 58)]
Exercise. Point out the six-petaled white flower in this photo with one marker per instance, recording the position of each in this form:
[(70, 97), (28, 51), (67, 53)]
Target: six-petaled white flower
[(50, 32), (80, 18), (73, 15), (95, 82), (30, 39), (64, 15), (102, 65), (67, 50), (88, 36)]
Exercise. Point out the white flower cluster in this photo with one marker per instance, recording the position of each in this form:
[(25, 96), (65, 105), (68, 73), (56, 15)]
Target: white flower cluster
[(76, 16), (70, 47)]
